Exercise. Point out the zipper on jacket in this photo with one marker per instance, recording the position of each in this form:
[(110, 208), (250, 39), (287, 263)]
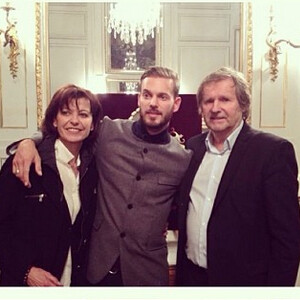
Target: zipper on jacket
[(39, 197)]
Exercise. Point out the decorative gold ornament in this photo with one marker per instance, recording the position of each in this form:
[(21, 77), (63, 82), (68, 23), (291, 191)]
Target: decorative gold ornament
[(274, 48), (11, 40)]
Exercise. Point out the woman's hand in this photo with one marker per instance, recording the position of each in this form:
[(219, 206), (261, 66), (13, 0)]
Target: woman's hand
[(40, 277)]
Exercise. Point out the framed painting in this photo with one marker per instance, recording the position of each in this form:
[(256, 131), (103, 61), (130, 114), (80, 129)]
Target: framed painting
[(126, 58)]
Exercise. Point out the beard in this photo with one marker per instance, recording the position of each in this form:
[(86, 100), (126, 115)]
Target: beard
[(155, 125)]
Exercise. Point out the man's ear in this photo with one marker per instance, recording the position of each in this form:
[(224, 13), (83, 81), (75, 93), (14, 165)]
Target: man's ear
[(177, 103), (199, 110)]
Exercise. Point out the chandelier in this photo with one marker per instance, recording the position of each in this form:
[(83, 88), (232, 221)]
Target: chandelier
[(134, 21)]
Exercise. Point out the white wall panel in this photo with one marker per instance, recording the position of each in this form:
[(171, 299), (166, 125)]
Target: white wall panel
[(202, 37), (68, 65), (58, 28), (70, 43), (206, 5), (14, 94), (204, 27), (194, 65), (273, 99)]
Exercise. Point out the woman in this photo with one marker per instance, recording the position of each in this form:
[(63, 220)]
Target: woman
[(44, 229)]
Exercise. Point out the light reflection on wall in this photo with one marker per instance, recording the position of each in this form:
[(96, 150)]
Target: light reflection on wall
[(286, 20)]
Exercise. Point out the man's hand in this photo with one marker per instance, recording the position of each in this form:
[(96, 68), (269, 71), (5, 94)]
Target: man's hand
[(26, 154), (40, 277)]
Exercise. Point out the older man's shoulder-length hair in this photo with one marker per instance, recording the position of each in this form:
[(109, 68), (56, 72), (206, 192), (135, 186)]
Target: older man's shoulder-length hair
[(242, 87), (61, 99)]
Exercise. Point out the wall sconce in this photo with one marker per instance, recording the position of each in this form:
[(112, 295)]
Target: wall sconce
[(11, 40), (274, 48)]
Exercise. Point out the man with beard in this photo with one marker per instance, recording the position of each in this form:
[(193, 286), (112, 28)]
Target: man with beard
[(140, 168)]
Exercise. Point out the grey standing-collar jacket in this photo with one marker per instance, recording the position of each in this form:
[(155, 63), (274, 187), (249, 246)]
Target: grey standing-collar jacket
[(138, 180)]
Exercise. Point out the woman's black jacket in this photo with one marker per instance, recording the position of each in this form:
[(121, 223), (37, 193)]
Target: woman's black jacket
[(35, 224)]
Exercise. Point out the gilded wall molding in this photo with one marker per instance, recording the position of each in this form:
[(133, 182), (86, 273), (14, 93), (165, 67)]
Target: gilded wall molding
[(249, 45), (38, 63), (246, 48), (41, 59), (1, 109)]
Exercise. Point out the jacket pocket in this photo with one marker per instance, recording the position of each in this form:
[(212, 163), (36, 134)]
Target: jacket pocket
[(45, 216), (156, 243), (168, 180)]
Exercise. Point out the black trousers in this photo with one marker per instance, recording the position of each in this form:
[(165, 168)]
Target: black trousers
[(193, 275), (113, 277)]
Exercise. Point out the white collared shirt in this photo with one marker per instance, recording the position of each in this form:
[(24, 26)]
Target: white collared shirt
[(203, 193), (71, 192)]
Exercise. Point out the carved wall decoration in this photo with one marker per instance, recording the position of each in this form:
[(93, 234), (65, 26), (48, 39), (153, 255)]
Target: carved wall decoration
[(38, 63)]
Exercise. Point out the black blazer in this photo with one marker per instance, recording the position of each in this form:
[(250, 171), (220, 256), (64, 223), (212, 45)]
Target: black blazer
[(253, 235), (35, 224)]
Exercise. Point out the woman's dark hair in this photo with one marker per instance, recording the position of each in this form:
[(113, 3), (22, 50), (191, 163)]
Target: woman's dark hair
[(61, 99)]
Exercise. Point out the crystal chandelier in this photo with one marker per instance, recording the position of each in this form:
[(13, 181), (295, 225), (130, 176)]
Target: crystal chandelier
[(134, 21)]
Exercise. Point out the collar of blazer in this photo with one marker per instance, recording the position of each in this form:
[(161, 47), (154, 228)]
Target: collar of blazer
[(234, 162), (197, 144)]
